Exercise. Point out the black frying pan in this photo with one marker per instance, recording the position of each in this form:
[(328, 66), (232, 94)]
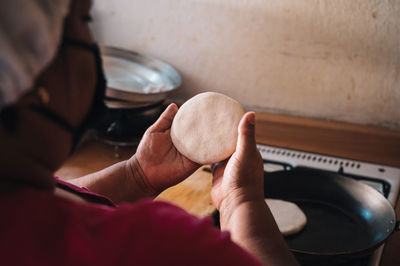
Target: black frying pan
[(344, 217)]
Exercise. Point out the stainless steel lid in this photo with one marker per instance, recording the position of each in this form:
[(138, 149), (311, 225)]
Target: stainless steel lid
[(135, 80)]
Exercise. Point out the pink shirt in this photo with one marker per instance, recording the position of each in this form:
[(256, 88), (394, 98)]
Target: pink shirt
[(39, 228)]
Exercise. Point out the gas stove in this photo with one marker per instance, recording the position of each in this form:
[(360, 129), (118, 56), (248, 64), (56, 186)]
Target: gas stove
[(384, 179)]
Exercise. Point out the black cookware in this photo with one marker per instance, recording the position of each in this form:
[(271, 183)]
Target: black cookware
[(345, 218)]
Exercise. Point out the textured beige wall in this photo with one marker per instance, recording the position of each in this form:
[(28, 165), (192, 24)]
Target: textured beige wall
[(336, 60)]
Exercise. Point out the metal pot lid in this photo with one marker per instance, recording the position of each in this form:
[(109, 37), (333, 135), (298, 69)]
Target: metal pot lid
[(136, 78)]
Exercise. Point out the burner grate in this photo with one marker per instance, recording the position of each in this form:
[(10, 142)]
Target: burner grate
[(384, 178)]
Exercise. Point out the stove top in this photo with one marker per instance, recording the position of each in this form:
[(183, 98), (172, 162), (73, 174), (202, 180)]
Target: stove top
[(384, 179)]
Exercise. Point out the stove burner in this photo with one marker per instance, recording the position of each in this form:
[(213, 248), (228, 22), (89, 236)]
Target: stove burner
[(126, 126), (382, 186)]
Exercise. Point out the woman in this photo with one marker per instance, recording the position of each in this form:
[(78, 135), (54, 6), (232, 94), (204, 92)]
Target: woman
[(46, 46)]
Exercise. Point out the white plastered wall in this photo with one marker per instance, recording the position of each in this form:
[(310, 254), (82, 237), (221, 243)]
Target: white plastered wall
[(336, 60)]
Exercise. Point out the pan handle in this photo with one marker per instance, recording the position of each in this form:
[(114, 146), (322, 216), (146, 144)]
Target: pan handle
[(397, 227)]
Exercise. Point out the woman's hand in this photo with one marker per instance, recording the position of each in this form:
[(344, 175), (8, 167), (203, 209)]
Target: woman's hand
[(241, 178), (157, 161), (238, 193), (156, 166)]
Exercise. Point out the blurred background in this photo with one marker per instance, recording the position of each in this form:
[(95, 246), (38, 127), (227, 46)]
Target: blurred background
[(331, 60)]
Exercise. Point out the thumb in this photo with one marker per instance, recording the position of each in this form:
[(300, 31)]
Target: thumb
[(246, 134), (164, 122)]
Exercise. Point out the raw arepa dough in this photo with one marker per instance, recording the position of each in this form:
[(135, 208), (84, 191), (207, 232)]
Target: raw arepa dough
[(288, 216), (205, 129)]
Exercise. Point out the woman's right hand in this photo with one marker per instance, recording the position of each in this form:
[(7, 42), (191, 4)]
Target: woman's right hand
[(241, 178), (238, 193)]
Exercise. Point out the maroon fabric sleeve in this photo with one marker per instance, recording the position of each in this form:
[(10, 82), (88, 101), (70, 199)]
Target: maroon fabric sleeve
[(39, 228), (84, 193)]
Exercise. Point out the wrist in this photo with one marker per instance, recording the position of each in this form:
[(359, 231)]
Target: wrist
[(236, 200), (252, 226), (140, 186)]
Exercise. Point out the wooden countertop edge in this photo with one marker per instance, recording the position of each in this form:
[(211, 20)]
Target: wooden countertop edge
[(364, 143)]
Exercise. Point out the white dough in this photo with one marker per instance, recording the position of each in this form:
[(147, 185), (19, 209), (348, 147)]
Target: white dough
[(205, 129), (288, 216)]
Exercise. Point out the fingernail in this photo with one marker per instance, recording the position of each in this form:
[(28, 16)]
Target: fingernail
[(252, 119), (173, 106)]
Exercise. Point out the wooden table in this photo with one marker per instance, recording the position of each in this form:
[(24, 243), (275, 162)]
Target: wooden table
[(370, 144)]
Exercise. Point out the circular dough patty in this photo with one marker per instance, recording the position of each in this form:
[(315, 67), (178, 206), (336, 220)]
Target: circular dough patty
[(205, 127), (288, 216)]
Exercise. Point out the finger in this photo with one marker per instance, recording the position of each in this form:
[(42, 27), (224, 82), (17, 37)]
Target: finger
[(164, 122), (216, 167), (217, 170), (246, 133)]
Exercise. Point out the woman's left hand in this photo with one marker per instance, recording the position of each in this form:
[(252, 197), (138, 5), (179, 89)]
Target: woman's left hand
[(157, 162)]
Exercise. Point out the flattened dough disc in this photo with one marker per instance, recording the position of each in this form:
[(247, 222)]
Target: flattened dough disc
[(288, 216), (205, 127)]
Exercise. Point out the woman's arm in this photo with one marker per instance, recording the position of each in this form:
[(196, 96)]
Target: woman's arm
[(121, 182), (252, 226), (238, 193), (156, 166)]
